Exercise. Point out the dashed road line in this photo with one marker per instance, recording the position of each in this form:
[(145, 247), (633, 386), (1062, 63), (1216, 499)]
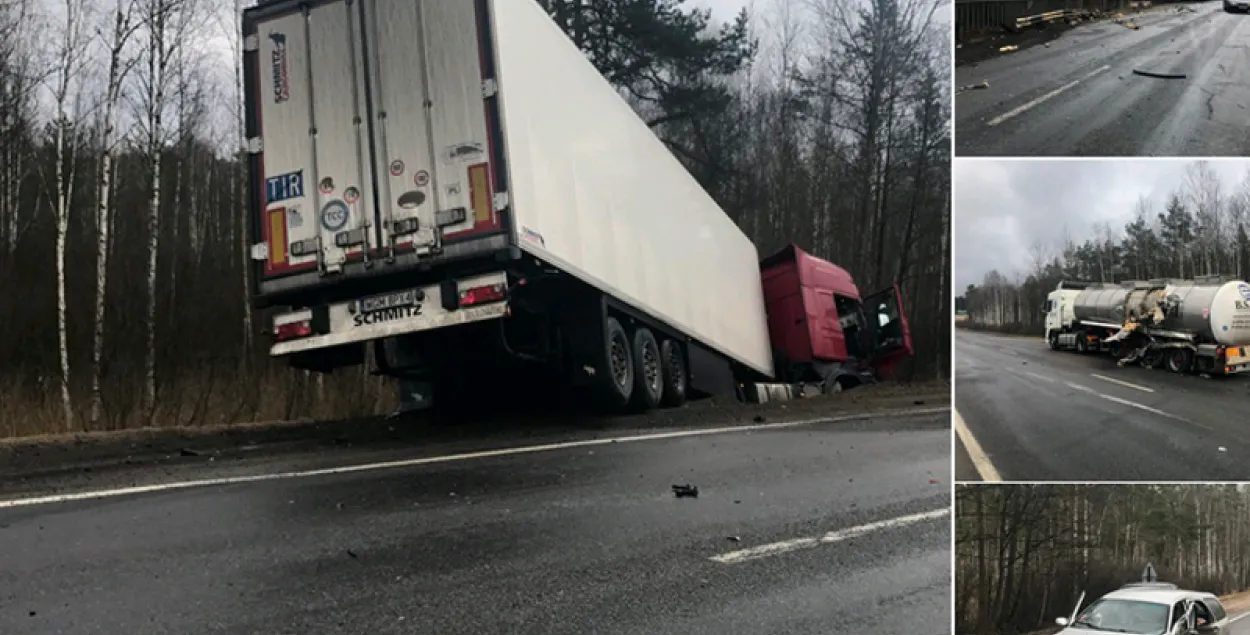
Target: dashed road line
[(1052, 94), (1122, 383), (980, 460), (1126, 402), (787, 546)]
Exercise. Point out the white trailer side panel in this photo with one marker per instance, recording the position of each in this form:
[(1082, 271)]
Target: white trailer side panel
[(596, 193)]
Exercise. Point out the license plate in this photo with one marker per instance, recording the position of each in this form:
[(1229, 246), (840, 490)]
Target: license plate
[(391, 300)]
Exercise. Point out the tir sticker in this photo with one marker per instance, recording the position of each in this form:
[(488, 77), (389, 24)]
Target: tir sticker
[(397, 167), (421, 178), (284, 186), (281, 68), (334, 215)]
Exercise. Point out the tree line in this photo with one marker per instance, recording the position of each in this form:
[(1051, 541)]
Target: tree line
[(1201, 230), (123, 241), (1025, 553)]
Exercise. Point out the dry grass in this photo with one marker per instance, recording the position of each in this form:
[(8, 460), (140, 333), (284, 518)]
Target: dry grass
[(205, 400)]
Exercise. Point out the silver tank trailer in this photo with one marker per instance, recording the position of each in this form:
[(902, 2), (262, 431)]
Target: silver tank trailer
[(1218, 313)]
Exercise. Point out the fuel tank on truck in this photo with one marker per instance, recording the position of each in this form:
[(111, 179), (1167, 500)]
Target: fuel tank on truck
[(1214, 312)]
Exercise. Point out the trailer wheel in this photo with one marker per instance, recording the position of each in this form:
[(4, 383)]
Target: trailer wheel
[(674, 366), (1180, 360), (617, 385), (648, 370)]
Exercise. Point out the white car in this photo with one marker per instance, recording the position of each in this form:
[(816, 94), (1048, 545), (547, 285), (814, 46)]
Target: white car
[(1148, 608)]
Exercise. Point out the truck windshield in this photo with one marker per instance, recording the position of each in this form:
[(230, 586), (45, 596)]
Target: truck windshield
[(1124, 616)]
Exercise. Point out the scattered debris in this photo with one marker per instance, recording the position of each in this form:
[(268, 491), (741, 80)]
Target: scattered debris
[(737, 502), (685, 491), (1009, 48), (352, 553), (918, 402), (1137, 71), (733, 538), (1223, 449), (758, 419), (934, 481), (188, 452), (32, 613), (981, 86), (339, 506)]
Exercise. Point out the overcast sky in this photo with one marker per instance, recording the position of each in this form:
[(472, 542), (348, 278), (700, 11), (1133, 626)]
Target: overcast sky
[(1002, 207)]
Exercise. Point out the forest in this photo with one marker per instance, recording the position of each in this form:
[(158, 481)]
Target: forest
[(1025, 553), (123, 230), (1202, 229)]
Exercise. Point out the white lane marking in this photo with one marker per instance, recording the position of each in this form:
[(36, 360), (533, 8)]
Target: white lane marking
[(367, 467), (1234, 619), (1052, 94), (1122, 383), (979, 459), (786, 546), (1041, 377), (1124, 402)]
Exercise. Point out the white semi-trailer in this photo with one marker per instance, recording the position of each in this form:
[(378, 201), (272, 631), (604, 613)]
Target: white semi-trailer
[(453, 184), (1200, 325)]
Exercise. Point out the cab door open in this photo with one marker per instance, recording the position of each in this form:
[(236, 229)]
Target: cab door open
[(891, 334)]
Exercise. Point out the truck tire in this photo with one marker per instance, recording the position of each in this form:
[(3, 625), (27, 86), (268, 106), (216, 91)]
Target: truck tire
[(1054, 341), (1180, 360), (648, 370), (1082, 344), (617, 385), (674, 365)]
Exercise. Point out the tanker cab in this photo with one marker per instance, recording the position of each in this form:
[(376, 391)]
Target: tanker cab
[(891, 335)]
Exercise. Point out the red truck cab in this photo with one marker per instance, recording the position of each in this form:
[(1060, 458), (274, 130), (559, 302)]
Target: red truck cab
[(822, 330)]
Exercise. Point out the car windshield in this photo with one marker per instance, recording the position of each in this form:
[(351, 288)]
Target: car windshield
[(1124, 616)]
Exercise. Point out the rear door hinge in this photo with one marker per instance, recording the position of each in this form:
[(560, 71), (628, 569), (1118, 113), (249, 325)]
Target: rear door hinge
[(501, 201), (251, 43), (255, 145), (489, 88), (260, 251)]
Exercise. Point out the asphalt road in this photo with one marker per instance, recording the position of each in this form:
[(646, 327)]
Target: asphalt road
[(1034, 414), (832, 524), (1079, 96)]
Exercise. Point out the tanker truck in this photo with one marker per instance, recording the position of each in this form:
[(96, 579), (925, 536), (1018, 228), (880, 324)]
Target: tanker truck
[(1200, 325)]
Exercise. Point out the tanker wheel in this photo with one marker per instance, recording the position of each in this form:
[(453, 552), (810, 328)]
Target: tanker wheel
[(1054, 341), (674, 367), (648, 370), (616, 386), (1180, 360), (1082, 344)]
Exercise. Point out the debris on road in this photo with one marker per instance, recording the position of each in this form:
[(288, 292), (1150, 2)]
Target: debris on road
[(733, 538), (1009, 48), (685, 491), (982, 86), (1155, 75), (188, 452), (352, 553)]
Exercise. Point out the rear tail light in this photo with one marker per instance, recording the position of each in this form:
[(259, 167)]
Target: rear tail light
[(292, 330), (483, 295)]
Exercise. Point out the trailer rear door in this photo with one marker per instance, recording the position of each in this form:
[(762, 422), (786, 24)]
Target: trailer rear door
[(370, 122)]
